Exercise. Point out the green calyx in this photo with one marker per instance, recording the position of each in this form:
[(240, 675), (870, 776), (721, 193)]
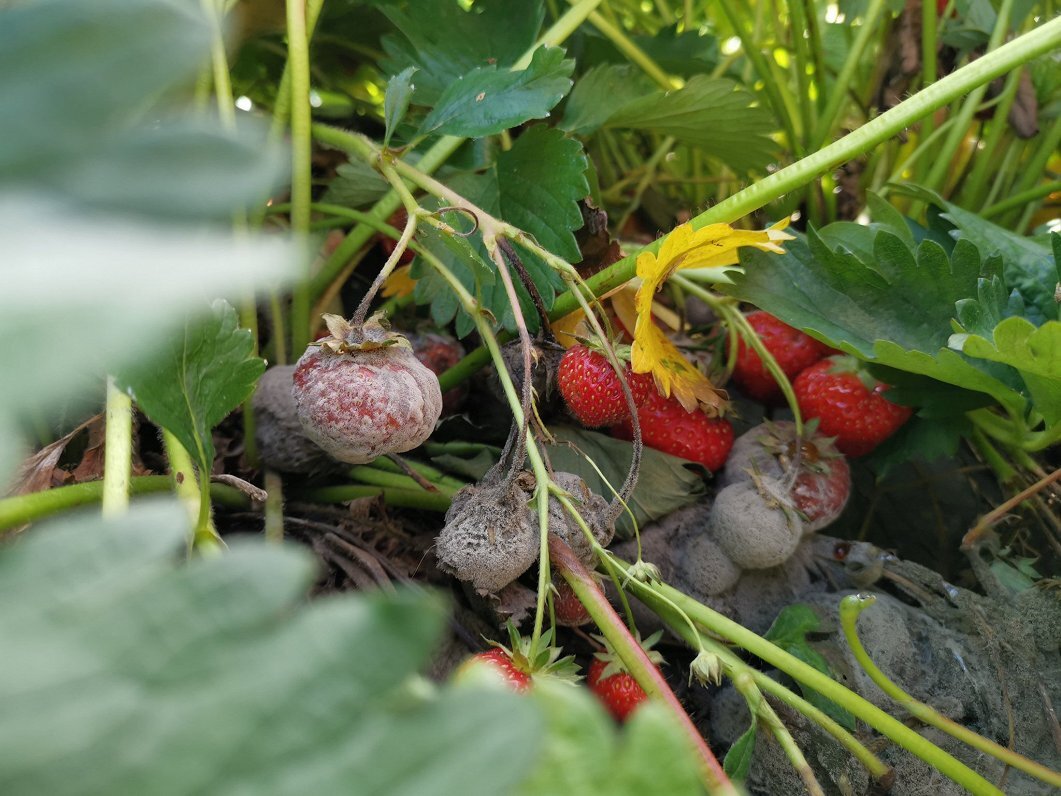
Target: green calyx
[(614, 664), (547, 661)]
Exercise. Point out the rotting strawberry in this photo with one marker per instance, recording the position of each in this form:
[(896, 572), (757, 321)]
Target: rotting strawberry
[(440, 352), (850, 405), (591, 389), (362, 393), (821, 484), (667, 426), (613, 685), (515, 665), (792, 349)]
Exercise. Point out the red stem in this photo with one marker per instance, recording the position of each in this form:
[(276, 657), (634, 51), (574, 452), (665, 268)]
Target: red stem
[(634, 657)]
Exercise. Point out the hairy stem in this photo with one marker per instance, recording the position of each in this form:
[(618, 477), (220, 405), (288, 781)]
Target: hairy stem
[(117, 450)]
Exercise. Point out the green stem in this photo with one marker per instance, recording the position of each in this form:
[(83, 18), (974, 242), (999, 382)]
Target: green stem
[(1035, 166), (634, 657), (943, 163), (895, 730), (1018, 51), (636, 55), (226, 108), (430, 473), (374, 477), (758, 62), (274, 507), (282, 108), (796, 28), (1003, 470), (21, 509), (392, 496), (197, 501), (646, 179), (301, 163), (117, 450), (851, 607), (829, 120), (1021, 199), (972, 194), (434, 157)]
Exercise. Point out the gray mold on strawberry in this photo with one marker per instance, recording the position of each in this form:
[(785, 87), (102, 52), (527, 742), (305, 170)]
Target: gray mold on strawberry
[(362, 393), (704, 567), (594, 510), (488, 539), (282, 444), (754, 525)]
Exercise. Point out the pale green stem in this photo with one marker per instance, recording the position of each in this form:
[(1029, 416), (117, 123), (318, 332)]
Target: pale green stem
[(301, 163), (827, 687), (1034, 168), (197, 500), (829, 120), (646, 179), (633, 52), (1020, 199), (972, 193), (274, 507), (851, 607), (117, 450), (942, 165), (282, 108)]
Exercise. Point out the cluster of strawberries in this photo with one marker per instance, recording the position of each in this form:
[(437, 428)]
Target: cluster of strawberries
[(848, 403)]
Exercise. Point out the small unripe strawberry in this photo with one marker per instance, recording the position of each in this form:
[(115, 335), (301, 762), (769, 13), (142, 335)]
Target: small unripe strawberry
[(850, 405), (362, 393)]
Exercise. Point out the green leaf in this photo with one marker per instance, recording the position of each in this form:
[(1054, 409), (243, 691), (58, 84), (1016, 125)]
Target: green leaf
[(202, 376), (540, 181), (713, 114), (146, 675), (739, 757), (1028, 265), (1034, 352), (118, 290), (895, 311), (665, 483), (789, 632), (447, 41), (601, 92), (396, 101), (356, 184), (488, 100), (649, 736)]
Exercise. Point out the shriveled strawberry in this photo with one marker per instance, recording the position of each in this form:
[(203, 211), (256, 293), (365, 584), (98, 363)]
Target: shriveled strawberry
[(822, 483), (792, 349), (361, 393), (591, 389), (850, 405), (668, 427), (613, 685)]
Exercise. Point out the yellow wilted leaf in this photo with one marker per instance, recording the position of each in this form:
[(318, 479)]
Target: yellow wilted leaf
[(399, 284)]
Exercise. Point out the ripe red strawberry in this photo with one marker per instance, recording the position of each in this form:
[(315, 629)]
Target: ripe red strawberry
[(515, 676), (568, 609), (361, 393), (849, 405), (591, 388), (613, 685), (668, 427), (821, 486), (515, 665), (792, 349)]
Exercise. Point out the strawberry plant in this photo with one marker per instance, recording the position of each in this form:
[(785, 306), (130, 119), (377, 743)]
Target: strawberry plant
[(532, 315)]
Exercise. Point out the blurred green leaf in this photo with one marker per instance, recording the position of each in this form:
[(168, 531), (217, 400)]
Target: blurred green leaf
[(198, 379), (142, 675), (599, 93), (356, 184), (396, 101), (584, 754), (713, 114), (665, 482), (446, 41), (489, 99)]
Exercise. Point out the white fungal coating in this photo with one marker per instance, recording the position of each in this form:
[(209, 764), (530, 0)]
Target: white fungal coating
[(753, 529), (704, 566), (363, 404), (593, 509), (488, 539)]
